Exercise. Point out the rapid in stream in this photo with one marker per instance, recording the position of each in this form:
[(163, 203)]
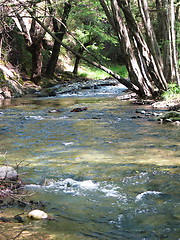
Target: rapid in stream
[(100, 173)]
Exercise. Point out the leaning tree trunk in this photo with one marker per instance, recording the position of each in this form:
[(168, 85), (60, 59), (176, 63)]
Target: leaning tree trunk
[(59, 32), (137, 55), (133, 58), (140, 62)]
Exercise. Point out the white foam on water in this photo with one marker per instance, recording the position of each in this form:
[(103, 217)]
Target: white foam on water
[(67, 143), (89, 185), (81, 188), (33, 117), (32, 186), (72, 186), (140, 196)]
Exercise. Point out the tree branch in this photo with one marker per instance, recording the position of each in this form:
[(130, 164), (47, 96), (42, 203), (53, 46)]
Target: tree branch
[(123, 81)]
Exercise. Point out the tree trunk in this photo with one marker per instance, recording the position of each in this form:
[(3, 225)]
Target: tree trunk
[(36, 52), (167, 37), (77, 61), (138, 56), (59, 32), (143, 66), (0, 44), (152, 43), (80, 52), (33, 38)]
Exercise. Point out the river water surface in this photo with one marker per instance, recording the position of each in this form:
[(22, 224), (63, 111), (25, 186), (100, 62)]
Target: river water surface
[(100, 173)]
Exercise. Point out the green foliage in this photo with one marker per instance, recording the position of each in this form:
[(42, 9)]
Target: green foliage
[(19, 56), (89, 24), (173, 92), (94, 73)]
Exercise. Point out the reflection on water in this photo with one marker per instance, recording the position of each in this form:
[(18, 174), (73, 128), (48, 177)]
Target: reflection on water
[(101, 174)]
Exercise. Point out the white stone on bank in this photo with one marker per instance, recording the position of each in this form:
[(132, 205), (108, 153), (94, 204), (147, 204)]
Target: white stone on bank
[(37, 214), (7, 172)]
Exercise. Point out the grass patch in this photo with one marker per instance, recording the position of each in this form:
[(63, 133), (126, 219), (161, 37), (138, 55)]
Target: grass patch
[(173, 92), (95, 73)]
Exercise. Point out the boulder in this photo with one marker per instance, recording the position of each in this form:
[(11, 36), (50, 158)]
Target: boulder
[(7, 172), (10, 85), (37, 214)]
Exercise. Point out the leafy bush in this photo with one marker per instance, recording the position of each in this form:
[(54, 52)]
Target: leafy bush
[(173, 92)]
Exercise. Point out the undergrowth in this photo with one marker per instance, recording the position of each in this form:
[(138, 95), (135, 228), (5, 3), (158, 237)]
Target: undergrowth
[(94, 73), (173, 92)]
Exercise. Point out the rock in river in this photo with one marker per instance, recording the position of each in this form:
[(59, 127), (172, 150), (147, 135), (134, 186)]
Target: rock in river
[(7, 172), (80, 109)]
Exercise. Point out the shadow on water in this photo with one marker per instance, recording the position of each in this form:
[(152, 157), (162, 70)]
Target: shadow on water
[(100, 173)]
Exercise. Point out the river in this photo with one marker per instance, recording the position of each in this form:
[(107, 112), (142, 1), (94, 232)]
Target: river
[(100, 173)]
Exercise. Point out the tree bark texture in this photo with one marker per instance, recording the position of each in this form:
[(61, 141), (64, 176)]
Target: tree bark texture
[(36, 52), (138, 57), (143, 57), (59, 32), (167, 39), (0, 43)]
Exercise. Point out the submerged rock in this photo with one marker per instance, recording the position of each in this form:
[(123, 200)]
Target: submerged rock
[(54, 111), (7, 172), (171, 116), (37, 214), (79, 109)]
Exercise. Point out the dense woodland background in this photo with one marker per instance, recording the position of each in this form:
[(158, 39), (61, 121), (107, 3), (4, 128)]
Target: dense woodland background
[(39, 39)]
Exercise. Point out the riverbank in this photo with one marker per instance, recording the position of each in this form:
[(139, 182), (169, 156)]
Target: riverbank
[(68, 83), (79, 164)]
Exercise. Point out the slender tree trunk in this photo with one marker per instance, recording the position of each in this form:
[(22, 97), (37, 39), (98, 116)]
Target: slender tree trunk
[(167, 38), (152, 43), (77, 61), (80, 52), (172, 42), (59, 32), (36, 52), (0, 44)]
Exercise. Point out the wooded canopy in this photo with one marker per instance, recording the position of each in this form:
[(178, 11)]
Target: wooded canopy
[(144, 31)]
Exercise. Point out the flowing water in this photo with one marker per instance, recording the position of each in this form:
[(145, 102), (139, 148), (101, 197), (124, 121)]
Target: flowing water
[(100, 173)]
